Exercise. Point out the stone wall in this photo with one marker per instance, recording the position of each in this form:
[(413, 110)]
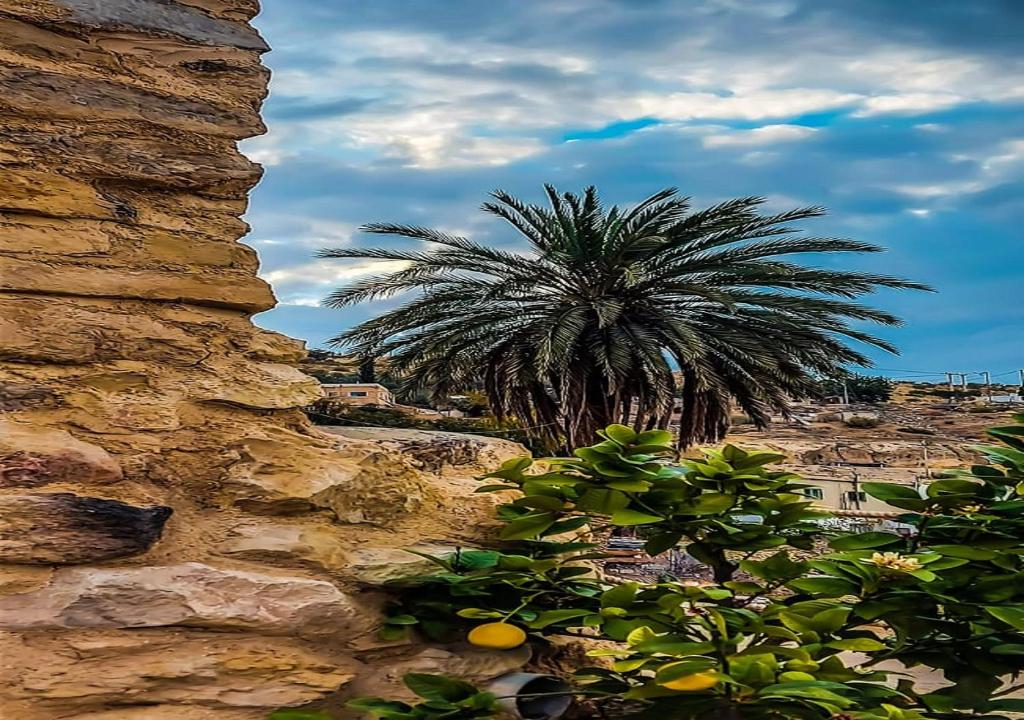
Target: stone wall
[(175, 540)]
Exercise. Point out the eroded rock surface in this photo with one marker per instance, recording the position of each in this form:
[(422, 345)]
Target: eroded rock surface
[(178, 667), (34, 456), (133, 382), (190, 595)]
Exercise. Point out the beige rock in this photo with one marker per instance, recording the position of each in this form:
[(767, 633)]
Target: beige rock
[(184, 249), (32, 456), (49, 236), (158, 712), (184, 668), (439, 451), (23, 578), (231, 289), (125, 411), (190, 595), (78, 330), (318, 546), (358, 484), (378, 565), (255, 385), (51, 194), (40, 92)]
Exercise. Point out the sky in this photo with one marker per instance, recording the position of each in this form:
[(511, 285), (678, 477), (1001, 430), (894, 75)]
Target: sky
[(905, 118)]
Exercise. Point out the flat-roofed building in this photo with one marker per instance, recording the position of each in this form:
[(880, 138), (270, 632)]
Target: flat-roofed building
[(359, 393)]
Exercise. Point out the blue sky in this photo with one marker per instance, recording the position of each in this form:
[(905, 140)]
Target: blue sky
[(905, 119)]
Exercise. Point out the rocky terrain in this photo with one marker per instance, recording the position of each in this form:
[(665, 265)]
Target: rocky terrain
[(822, 444)]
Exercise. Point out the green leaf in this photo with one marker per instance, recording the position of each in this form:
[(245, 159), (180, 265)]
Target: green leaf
[(369, 704), (661, 542), (1013, 616), (540, 502), (1008, 649), (621, 434), (831, 587), (568, 525), (391, 633), (609, 469), (953, 486), (709, 504), (828, 621), (860, 541), (438, 687), (401, 620), (757, 459), (964, 551), (1014, 705), (629, 485), (626, 517), (478, 614), (857, 645), (890, 491), (550, 617), (601, 500), (654, 437), (621, 595), (511, 469), (640, 634), (475, 559), (673, 645), (528, 526)]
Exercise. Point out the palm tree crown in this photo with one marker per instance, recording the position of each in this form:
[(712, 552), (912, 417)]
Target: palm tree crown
[(618, 315)]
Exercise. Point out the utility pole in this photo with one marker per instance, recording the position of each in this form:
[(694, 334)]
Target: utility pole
[(988, 385), (846, 394), (927, 470), (949, 379), (856, 489)]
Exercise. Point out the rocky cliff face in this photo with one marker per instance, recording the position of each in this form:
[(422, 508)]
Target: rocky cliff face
[(175, 540)]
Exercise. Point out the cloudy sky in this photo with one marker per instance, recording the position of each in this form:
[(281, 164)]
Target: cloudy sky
[(903, 117)]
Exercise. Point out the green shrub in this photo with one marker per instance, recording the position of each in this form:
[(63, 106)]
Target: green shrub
[(859, 388), (862, 421), (984, 409), (947, 597)]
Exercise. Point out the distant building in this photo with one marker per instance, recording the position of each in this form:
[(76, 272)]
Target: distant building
[(359, 393), (846, 497)]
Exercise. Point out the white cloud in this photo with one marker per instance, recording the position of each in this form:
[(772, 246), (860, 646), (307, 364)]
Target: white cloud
[(754, 105), (329, 272), (1001, 163), (765, 135), (907, 104)]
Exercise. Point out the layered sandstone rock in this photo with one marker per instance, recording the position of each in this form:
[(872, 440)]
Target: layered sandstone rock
[(175, 540)]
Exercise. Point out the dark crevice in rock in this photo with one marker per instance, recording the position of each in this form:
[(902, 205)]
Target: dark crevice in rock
[(63, 528)]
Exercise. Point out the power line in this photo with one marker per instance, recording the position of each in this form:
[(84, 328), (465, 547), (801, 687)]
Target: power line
[(909, 372)]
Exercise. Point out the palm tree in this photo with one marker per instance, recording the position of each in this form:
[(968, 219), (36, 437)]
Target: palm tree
[(616, 315)]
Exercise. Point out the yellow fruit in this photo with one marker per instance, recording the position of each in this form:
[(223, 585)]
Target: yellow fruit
[(496, 636), (694, 682)]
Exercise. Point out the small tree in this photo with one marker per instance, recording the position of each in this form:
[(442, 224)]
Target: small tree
[(772, 637), (859, 388)]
